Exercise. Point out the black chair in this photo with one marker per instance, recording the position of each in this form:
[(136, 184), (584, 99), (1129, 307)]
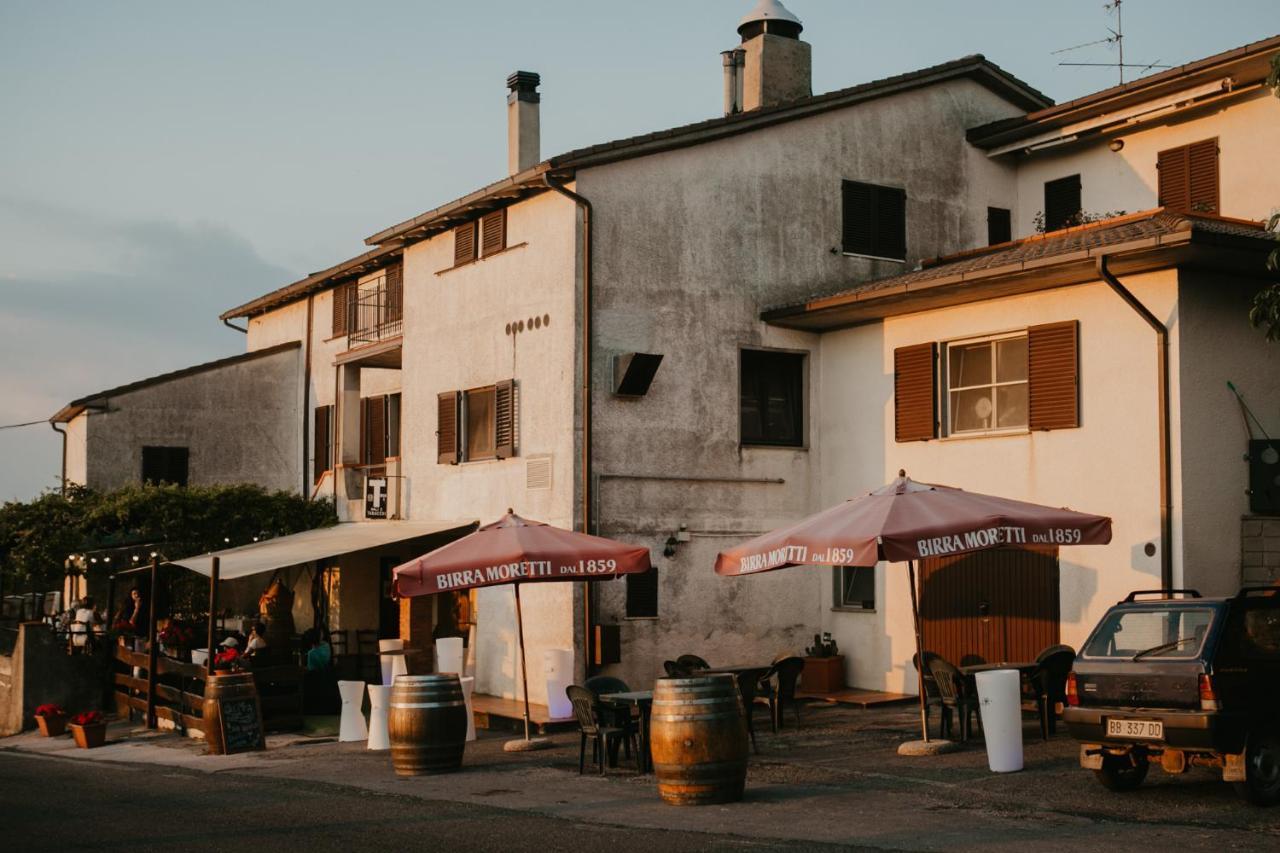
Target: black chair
[(931, 697), (675, 670), (957, 696), (602, 684), (692, 662), (593, 723), (780, 682), (1049, 685)]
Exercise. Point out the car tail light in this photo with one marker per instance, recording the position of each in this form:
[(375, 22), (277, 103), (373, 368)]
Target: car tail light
[(1073, 696), (1208, 699)]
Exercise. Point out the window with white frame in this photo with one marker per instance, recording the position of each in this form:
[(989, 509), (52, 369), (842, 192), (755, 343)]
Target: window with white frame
[(854, 588), (987, 388)]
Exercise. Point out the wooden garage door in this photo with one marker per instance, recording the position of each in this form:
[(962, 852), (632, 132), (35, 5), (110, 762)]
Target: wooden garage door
[(999, 605)]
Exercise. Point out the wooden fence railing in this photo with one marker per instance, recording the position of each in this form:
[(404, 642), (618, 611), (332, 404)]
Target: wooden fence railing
[(163, 691)]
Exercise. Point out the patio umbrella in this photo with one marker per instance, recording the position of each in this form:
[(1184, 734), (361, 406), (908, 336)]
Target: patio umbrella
[(517, 551), (906, 521)]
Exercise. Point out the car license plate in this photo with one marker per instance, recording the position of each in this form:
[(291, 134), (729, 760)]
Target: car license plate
[(1145, 729)]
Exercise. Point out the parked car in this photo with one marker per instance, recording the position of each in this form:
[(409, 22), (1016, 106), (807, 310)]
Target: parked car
[(1171, 678)]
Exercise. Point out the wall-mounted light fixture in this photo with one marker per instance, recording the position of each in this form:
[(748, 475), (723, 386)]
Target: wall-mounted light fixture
[(1116, 144)]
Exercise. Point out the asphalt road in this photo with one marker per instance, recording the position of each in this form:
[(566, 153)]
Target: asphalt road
[(55, 804)]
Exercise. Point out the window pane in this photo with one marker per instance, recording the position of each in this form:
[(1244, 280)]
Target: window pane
[(970, 364), (771, 398), (857, 587), (971, 410), (1011, 360), (480, 424), (1011, 406), (1125, 633)]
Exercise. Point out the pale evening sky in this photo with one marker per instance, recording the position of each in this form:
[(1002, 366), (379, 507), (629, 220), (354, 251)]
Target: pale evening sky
[(161, 162)]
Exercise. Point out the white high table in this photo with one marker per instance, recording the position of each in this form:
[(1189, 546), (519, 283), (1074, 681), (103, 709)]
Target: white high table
[(352, 726)]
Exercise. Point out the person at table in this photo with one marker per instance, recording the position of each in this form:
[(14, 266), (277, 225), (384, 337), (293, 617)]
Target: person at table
[(319, 654), (257, 641)]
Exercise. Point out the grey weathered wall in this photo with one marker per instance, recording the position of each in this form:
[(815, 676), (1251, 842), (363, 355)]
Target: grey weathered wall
[(38, 670), (690, 246), (240, 421)]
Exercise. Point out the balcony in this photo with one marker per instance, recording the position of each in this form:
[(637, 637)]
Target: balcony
[(378, 316)]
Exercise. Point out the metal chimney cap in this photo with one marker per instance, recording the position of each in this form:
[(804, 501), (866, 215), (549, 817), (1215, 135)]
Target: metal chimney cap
[(523, 81), (769, 10)]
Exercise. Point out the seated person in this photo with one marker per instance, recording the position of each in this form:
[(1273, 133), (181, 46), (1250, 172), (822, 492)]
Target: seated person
[(257, 639), (319, 655)]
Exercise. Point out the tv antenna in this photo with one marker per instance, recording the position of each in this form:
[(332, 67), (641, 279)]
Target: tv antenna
[(1116, 38)]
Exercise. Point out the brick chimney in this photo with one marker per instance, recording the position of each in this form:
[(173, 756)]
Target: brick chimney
[(522, 121), (777, 66)]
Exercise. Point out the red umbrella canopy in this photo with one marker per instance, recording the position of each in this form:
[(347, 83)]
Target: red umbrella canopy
[(906, 520), (517, 550)]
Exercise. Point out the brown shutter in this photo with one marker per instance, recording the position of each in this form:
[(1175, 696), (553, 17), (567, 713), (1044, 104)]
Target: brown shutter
[(1052, 370), (504, 419), (1203, 169), (375, 430), (464, 244), (320, 463), (915, 403), (395, 293), (340, 298), (1175, 183), (447, 428), (494, 228)]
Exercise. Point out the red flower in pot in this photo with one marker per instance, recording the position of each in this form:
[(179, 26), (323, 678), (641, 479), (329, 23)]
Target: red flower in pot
[(228, 660), (51, 719), (89, 729)]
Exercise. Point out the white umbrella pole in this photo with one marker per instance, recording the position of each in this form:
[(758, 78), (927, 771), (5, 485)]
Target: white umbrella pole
[(915, 618), (524, 672)]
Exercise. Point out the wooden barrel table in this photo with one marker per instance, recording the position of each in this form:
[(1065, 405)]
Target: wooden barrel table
[(427, 722), (223, 694), (698, 738)]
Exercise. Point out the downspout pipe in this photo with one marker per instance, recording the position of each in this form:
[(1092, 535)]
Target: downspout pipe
[(62, 431), (1162, 405), (585, 461)]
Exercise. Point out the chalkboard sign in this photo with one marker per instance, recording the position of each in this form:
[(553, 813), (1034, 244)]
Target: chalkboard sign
[(241, 724)]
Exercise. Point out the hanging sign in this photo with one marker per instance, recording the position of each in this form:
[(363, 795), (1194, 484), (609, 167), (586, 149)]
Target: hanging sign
[(375, 497)]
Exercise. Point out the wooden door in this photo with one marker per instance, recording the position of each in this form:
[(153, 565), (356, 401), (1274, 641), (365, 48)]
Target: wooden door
[(993, 606)]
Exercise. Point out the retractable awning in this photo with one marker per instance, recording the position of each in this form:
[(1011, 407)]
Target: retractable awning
[(326, 542)]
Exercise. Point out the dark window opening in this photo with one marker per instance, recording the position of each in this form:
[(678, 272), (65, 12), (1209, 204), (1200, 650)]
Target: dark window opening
[(855, 588), (393, 425), (875, 220), (771, 398), (165, 465), (323, 459), (999, 225), (642, 595), (1062, 203)]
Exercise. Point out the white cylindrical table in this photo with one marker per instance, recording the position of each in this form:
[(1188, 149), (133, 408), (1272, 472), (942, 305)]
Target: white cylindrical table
[(468, 687), (392, 659), (557, 665), (352, 725), (379, 736), (449, 655), (1001, 707)]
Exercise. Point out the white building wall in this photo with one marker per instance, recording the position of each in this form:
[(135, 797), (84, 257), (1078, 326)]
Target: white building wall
[(1109, 465)]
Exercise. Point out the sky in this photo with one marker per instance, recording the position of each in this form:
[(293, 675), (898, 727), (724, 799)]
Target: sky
[(163, 161)]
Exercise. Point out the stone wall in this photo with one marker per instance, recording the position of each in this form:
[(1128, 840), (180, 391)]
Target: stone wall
[(1259, 550), (38, 670)]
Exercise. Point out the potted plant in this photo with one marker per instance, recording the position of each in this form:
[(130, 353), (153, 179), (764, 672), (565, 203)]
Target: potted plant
[(228, 662), (89, 728), (176, 638), (51, 719)]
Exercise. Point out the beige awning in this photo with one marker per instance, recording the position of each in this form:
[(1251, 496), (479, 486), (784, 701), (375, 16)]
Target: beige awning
[(326, 542)]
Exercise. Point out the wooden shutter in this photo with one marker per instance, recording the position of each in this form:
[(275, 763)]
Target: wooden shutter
[(394, 304), (447, 428), (374, 431), (1188, 177), (915, 402), (1053, 374), (857, 201), (320, 462), (875, 220), (494, 232), (464, 244), (504, 419), (891, 223), (1061, 202), (341, 297)]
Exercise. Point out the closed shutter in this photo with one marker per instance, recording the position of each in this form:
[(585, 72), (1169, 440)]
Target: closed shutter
[(504, 419), (447, 428), (1175, 180), (1062, 203), (1188, 177), (857, 202), (874, 220), (464, 244), (891, 223), (341, 296), (494, 232), (395, 293), (915, 403), (320, 463), (374, 440), (1053, 374)]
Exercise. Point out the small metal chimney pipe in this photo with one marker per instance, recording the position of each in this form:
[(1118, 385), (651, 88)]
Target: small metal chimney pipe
[(733, 62), (523, 132)]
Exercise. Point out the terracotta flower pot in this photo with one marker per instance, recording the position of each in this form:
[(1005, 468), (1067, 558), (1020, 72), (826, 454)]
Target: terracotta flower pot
[(89, 737), (52, 726)]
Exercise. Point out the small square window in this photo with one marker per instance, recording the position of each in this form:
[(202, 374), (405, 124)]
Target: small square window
[(771, 398), (165, 465), (987, 387), (855, 588)]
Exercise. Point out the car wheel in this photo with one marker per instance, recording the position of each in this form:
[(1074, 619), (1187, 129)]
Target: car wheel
[(1123, 772), (1262, 770)]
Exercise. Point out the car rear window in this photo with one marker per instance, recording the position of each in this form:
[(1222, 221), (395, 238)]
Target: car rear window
[(1172, 632)]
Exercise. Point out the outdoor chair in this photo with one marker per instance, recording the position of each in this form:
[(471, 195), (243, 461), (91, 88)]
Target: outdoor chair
[(675, 670), (780, 684), (931, 697), (593, 724), (692, 662), (1049, 685), (957, 696), (613, 715)]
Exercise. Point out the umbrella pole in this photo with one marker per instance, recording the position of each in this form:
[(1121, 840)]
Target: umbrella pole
[(915, 619), (524, 672)]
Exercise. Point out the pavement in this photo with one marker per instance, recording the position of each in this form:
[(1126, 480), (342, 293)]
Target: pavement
[(836, 780)]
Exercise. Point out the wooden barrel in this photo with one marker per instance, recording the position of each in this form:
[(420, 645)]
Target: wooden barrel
[(236, 689), (698, 738), (427, 721)]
